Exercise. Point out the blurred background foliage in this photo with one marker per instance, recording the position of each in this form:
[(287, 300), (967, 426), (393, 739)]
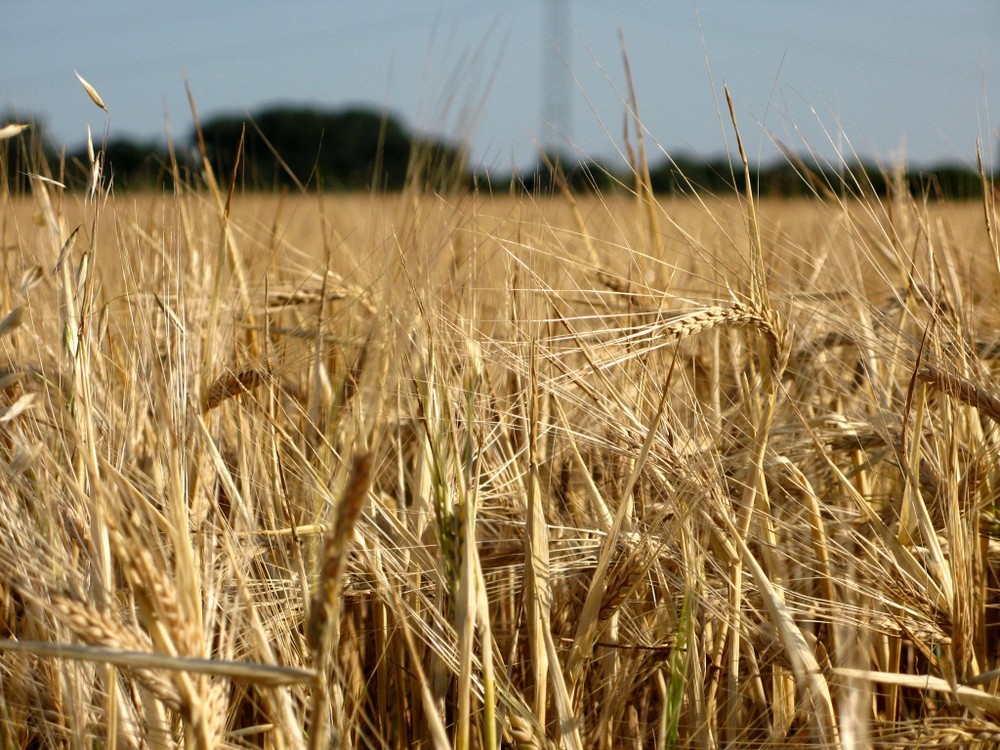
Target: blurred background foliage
[(355, 149)]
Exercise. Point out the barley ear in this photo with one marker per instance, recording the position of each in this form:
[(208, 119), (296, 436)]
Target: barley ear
[(11, 130), (323, 627), (91, 92)]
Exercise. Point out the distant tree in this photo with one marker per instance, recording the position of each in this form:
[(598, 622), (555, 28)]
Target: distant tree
[(948, 181), (686, 174), (792, 177), (551, 171), (340, 150), (31, 152), (591, 176), (783, 179), (134, 164), (680, 175), (864, 179), (128, 164)]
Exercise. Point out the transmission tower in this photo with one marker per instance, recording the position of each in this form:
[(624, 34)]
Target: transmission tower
[(557, 81)]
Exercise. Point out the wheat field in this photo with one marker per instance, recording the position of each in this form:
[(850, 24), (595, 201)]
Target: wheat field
[(483, 471)]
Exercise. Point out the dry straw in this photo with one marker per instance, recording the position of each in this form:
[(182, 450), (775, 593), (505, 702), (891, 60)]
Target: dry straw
[(597, 513)]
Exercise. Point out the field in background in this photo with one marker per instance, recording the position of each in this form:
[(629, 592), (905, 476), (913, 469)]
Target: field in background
[(478, 470)]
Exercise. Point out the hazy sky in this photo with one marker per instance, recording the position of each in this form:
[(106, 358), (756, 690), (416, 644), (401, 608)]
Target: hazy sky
[(886, 78)]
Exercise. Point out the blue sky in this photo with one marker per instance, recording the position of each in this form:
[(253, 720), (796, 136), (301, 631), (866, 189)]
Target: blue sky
[(914, 78)]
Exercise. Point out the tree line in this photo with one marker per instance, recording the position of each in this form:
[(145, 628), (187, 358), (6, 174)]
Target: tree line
[(309, 148)]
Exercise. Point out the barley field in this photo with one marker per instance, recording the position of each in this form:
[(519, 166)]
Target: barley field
[(480, 471)]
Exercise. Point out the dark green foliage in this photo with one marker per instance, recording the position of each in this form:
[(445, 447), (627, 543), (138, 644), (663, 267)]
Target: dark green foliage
[(352, 149), (948, 181), (793, 178), (688, 174), (128, 164), (134, 165), (361, 149), (22, 155), (581, 177)]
